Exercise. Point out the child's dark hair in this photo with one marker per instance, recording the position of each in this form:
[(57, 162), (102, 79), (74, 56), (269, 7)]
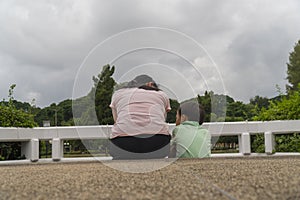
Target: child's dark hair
[(193, 110)]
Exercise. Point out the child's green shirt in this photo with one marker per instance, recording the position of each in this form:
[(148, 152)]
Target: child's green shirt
[(191, 140)]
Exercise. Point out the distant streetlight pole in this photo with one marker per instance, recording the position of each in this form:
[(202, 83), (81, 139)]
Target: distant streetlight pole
[(46, 123), (55, 116)]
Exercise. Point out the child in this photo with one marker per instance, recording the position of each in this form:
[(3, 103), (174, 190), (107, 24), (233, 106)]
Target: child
[(190, 139)]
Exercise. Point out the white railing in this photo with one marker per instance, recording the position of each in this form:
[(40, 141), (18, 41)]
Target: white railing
[(30, 137)]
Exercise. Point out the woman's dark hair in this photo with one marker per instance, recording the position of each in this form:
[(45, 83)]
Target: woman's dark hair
[(146, 87), (193, 110), (140, 82)]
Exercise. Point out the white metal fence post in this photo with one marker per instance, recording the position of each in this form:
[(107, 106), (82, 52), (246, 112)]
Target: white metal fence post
[(246, 144), (240, 144), (31, 149), (57, 149), (269, 142)]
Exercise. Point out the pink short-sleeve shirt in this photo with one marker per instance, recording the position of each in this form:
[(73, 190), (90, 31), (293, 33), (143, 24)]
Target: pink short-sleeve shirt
[(140, 111)]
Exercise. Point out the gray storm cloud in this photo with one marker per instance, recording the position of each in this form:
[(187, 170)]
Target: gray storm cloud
[(43, 43)]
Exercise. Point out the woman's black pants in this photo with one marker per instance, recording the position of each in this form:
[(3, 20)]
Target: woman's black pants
[(140, 146)]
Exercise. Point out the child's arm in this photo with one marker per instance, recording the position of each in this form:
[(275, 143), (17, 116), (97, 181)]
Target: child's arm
[(172, 153)]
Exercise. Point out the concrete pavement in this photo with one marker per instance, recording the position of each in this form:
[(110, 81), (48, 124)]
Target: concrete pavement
[(211, 178)]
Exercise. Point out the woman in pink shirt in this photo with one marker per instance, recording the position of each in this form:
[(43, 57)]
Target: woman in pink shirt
[(139, 112)]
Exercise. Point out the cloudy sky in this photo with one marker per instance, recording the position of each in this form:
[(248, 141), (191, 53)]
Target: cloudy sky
[(50, 49)]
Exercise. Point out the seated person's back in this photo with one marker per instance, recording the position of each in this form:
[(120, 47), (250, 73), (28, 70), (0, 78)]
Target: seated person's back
[(190, 139)]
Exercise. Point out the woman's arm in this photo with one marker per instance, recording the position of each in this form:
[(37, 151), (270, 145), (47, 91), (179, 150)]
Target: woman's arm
[(115, 115)]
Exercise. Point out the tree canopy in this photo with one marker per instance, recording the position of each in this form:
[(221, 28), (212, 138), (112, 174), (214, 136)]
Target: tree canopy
[(293, 68), (287, 108), (104, 87), (10, 116)]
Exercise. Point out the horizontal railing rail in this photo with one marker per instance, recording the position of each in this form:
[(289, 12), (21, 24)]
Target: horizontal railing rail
[(30, 137)]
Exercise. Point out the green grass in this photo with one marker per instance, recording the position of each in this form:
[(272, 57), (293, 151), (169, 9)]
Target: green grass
[(73, 155), (225, 151)]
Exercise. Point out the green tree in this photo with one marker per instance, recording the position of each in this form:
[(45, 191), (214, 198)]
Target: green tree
[(205, 101), (10, 116), (81, 111), (56, 114), (104, 87), (285, 108), (171, 116), (218, 106), (260, 102), (293, 68), (238, 111), (80, 106), (93, 109)]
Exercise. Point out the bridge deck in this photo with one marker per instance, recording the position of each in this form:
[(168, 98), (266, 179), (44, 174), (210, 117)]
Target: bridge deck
[(212, 178)]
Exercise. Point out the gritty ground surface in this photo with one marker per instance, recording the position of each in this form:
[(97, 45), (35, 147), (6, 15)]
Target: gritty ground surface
[(212, 178)]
